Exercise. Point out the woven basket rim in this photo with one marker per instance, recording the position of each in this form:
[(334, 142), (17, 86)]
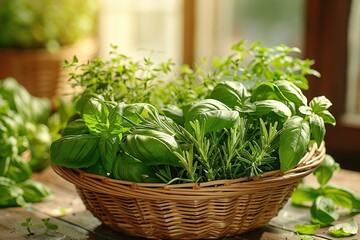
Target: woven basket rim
[(221, 188)]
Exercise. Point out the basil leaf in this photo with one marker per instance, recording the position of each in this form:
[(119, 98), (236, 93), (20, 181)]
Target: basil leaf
[(4, 165), (267, 91), (95, 115), (35, 191), (323, 211), (306, 228), (108, 148), (115, 120), (303, 194), (19, 170), (81, 103), (327, 117), (130, 169), (265, 107), (75, 151), (317, 127), (342, 197), (75, 127), (231, 93), (97, 169), (152, 147), (213, 113), (325, 171), (305, 110), (344, 229), (136, 112), (175, 113), (10, 194), (291, 92), (319, 104), (294, 142)]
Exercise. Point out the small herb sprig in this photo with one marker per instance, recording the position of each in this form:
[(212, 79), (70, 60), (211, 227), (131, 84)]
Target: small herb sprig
[(120, 78), (45, 222)]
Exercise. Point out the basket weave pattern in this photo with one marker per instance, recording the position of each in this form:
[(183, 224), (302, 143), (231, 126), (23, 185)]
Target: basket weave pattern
[(206, 210)]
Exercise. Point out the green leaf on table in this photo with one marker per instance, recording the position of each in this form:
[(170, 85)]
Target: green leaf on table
[(306, 228), (344, 229), (294, 142), (304, 237), (342, 197), (304, 194), (323, 211), (325, 171)]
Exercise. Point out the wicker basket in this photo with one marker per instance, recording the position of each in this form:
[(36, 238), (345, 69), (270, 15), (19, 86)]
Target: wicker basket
[(39, 71), (189, 211)]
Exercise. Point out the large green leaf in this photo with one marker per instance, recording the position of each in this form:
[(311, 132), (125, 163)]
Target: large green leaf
[(130, 169), (230, 93), (323, 211), (108, 148), (342, 197), (152, 147), (214, 114), (267, 107), (294, 142), (10, 194), (95, 115), (19, 170), (291, 92), (304, 194), (267, 91), (35, 191), (75, 151)]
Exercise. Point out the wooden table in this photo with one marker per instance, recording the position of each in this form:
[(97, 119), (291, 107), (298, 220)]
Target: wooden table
[(75, 222)]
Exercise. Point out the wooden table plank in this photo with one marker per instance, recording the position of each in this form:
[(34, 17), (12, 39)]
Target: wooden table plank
[(75, 222)]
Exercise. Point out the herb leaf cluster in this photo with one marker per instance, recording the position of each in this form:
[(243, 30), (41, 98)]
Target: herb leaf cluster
[(244, 116), (326, 201), (24, 144)]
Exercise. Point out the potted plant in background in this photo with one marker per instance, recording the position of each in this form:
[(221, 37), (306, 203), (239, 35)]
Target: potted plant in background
[(36, 37)]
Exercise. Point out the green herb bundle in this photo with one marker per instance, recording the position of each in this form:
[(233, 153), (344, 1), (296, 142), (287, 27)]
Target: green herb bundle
[(146, 122), (24, 144)]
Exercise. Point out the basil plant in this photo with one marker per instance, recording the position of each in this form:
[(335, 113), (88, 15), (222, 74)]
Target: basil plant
[(146, 122)]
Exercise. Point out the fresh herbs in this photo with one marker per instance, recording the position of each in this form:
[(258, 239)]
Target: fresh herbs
[(244, 116), (325, 202), (45, 222), (24, 144)]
